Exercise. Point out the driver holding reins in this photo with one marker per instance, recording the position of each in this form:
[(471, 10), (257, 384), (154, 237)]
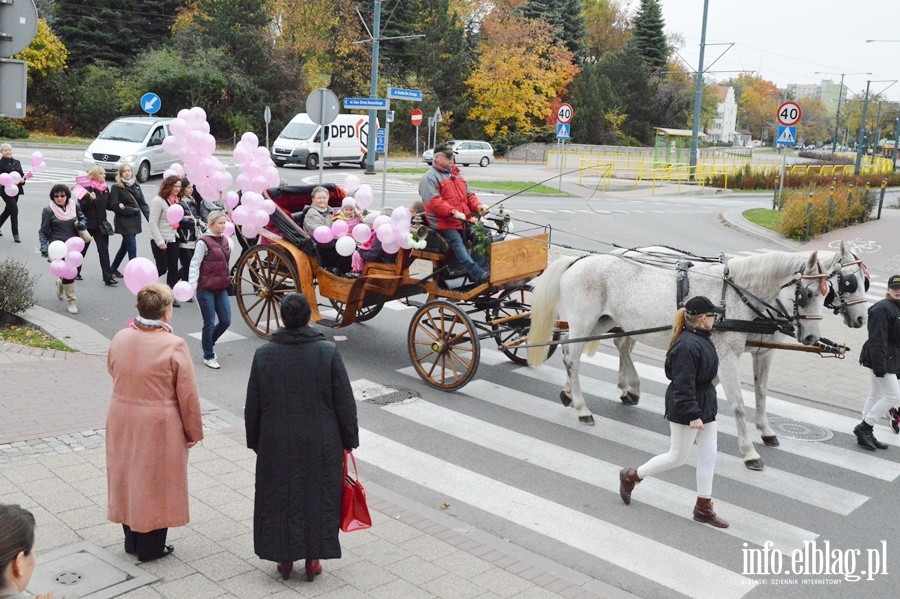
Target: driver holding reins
[(449, 204)]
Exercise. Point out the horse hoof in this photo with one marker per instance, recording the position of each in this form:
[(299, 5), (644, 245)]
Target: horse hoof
[(630, 399), (756, 464), (565, 399), (771, 441), (589, 420)]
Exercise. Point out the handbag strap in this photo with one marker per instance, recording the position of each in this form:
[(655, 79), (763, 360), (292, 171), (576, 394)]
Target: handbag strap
[(349, 453)]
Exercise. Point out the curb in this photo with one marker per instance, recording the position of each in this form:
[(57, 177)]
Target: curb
[(735, 219)]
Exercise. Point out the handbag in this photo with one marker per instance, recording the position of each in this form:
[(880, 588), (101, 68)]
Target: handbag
[(106, 228), (354, 511), (83, 233)]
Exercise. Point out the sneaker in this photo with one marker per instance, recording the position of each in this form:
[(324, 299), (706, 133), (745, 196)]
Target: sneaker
[(212, 363), (894, 417), (16, 239)]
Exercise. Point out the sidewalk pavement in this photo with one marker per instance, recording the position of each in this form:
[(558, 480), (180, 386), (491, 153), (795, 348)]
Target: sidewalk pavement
[(52, 462)]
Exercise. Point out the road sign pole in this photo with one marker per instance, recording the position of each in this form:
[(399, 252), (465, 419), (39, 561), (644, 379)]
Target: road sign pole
[(322, 138), (384, 160), (417, 144), (781, 184), (562, 161)]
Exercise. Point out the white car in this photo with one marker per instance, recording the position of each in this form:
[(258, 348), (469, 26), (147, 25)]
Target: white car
[(467, 152), (136, 140)]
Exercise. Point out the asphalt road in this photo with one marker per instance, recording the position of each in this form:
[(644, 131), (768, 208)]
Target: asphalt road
[(502, 455)]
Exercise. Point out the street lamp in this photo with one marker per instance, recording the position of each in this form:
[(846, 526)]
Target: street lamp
[(837, 117)]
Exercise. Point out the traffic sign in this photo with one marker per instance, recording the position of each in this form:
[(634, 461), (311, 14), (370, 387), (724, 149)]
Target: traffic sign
[(789, 113), (416, 117), (563, 131), (379, 140), (18, 24), (437, 115), (150, 103), (398, 93), (14, 91), (366, 103), (787, 136), (564, 113)]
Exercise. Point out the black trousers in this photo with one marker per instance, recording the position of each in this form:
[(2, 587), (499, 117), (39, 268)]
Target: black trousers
[(185, 255), (166, 261), (145, 545), (102, 241), (12, 213)]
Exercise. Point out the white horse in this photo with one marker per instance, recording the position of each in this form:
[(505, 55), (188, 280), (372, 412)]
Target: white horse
[(596, 293), (848, 281)]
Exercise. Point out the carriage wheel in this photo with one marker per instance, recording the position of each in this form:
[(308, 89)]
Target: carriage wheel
[(266, 273), (443, 345), (514, 301), (362, 315)]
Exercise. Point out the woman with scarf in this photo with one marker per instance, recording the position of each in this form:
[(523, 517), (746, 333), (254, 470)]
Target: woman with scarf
[(126, 200), (8, 164), (94, 204), (164, 243), (61, 220), (188, 228), (154, 419)]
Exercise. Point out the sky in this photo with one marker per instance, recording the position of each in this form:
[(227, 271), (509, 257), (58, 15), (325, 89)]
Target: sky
[(787, 41)]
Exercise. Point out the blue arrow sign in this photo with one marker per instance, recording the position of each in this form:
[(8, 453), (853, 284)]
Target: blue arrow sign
[(563, 130), (366, 103), (398, 93), (150, 103), (787, 136), (379, 140)]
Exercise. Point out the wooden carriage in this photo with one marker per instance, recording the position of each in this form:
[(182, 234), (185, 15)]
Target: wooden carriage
[(445, 331)]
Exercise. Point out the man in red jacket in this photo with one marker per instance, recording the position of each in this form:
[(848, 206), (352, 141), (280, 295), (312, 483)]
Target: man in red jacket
[(449, 205)]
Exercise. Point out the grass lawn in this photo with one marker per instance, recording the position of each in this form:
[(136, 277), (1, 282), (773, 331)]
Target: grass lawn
[(410, 170), (44, 138), (763, 217), (30, 336), (515, 186)]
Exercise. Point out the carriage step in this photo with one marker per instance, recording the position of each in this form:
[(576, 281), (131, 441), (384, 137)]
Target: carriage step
[(330, 323)]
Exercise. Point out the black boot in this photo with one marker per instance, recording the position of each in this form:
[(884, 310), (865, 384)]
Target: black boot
[(865, 437)]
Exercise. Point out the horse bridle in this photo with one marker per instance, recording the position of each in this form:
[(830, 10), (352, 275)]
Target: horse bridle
[(846, 285), (802, 294)]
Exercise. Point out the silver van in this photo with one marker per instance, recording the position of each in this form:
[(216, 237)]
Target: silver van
[(135, 140)]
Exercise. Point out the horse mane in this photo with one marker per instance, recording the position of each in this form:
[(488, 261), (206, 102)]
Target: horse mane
[(766, 269)]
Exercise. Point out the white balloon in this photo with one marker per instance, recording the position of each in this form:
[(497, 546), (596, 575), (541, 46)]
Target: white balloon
[(345, 246), (57, 250)]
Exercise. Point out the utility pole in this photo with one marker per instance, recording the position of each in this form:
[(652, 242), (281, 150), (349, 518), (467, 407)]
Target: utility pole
[(862, 131), (698, 98), (837, 116)]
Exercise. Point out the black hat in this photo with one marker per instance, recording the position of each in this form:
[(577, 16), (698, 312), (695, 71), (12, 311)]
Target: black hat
[(701, 305), (444, 148), (894, 281)]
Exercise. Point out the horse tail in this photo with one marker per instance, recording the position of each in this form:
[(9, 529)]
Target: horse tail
[(544, 302)]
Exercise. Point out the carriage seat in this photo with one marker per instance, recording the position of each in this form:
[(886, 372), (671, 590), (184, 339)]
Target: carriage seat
[(299, 217)]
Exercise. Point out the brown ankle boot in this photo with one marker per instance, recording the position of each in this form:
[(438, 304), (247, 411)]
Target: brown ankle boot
[(703, 512), (628, 477)]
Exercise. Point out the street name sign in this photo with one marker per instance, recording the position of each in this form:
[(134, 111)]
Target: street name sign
[(789, 113), (398, 93), (366, 103)]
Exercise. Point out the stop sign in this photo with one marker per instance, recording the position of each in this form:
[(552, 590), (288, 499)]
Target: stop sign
[(416, 117)]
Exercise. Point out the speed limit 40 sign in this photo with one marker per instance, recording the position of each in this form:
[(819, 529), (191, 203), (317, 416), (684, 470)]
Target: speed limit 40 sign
[(789, 113), (564, 114)]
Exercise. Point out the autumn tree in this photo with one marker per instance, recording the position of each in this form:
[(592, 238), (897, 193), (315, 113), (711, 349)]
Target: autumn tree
[(567, 19), (757, 103), (519, 72), (607, 28), (816, 125), (46, 56), (648, 35)]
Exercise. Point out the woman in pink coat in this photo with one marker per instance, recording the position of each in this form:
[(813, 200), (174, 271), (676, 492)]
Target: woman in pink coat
[(154, 418)]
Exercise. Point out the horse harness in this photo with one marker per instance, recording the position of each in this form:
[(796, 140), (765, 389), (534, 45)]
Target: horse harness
[(845, 285)]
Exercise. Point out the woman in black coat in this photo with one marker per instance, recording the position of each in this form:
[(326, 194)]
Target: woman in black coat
[(881, 353), (8, 164), (61, 219), (691, 407), (94, 204), (300, 417), (126, 200)]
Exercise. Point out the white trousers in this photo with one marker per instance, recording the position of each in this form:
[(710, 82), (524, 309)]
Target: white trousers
[(884, 393), (682, 437)]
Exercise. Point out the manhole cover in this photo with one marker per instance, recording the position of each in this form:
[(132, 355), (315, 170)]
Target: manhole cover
[(68, 578), (795, 429), (384, 395)]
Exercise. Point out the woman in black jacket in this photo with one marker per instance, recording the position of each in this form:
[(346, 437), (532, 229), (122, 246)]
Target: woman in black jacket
[(881, 353), (60, 220), (188, 229), (94, 204), (126, 200), (8, 164), (691, 407)]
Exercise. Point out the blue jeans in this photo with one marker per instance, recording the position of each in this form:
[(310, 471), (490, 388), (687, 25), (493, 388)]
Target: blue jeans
[(129, 244), (474, 268), (213, 304)]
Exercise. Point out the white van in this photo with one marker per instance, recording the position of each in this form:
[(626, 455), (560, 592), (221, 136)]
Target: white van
[(135, 140), (346, 139)]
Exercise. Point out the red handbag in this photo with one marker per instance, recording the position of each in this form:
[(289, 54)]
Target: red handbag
[(354, 511)]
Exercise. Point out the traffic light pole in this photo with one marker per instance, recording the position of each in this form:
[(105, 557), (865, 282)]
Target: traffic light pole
[(698, 98)]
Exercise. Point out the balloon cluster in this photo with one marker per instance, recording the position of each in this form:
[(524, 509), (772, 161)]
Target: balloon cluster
[(191, 141), (66, 257), (37, 166), (251, 210)]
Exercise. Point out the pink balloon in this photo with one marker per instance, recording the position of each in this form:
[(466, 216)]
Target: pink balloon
[(172, 145), (323, 234), (403, 240), (258, 183), (391, 248), (243, 182), (11, 190), (351, 183), (178, 126), (364, 197), (340, 228), (362, 233), (183, 114), (273, 179), (259, 218), (261, 155), (250, 140), (40, 168), (75, 244), (69, 272), (74, 259), (139, 273), (183, 291), (251, 200), (197, 115), (5, 180), (241, 154), (36, 158), (381, 220), (174, 214), (250, 230), (401, 215), (229, 228), (268, 206), (57, 268), (240, 216), (387, 233), (231, 199)]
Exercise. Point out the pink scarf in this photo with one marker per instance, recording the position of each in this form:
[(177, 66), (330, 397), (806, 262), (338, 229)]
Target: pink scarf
[(67, 213), (98, 185)]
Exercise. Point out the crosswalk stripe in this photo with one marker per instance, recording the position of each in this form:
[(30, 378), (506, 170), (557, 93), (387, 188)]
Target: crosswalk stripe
[(397, 306), (812, 492), (774, 405), (653, 560), (850, 460), (746, 525), (55, 175)]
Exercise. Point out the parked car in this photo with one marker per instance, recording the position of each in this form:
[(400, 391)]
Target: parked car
[(467, 152), (136, 140)]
